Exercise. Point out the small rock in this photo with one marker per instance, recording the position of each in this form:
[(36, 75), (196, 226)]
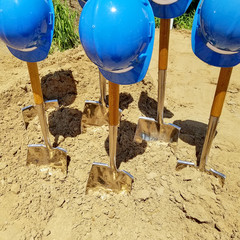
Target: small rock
[(198, 213), (79, 201), (60, 202), (111, 215), (231, 103), (16, 188), (9, 180), (159, 191), (3, 165), (34, 233), (164, 177), (43, 174), (151, 175), (185, 195), (46, 232), (143, 195)]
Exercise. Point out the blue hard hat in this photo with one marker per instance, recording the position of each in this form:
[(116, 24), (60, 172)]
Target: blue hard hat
[(118, 37), (216, 32), (169, 8), (26, 27), (82, 2)]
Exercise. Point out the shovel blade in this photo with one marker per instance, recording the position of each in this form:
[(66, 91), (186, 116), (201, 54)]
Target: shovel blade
[(149, 129), (40, 155), (94, 114), (102, 177), (30, 112)]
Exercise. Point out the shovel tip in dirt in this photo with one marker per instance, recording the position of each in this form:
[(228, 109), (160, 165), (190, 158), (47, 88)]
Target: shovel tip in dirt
[(103, 178)]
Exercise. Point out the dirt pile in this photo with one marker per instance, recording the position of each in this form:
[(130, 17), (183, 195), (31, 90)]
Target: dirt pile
[(164, 203)]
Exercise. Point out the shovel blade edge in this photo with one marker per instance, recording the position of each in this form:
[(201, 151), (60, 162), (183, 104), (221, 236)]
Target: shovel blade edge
[(149, 129), (94, 114), (40, 155), (104, 178)]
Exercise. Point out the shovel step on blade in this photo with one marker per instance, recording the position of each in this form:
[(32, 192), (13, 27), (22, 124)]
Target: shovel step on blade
[(40, 155), (104, 178), (182, 164), (30, 112), (149, 129)]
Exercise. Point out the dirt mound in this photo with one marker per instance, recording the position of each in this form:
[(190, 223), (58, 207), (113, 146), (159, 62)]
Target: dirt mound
[(164, 203)]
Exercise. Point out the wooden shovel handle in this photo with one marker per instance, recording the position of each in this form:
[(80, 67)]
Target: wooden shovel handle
[(163, 44), (35, 82), (113, 104), (222, 85)]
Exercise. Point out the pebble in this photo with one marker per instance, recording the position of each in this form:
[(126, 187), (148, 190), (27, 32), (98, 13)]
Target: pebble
[(16, 188), (164, 177), (60, 202), (198, 213), (143, 195), (159, 191), (46, 232), (111, 215), (9, 180), (3, 165), (151, 175)]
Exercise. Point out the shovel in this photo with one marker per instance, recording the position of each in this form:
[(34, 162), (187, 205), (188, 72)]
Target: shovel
[(39, 154), (102, 176), (149, 129), (217, 105), (95, 113)]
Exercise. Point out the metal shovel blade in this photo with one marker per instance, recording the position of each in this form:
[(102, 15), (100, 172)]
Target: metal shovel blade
[(103, 177), (94, 114), (149, 129), (182, 164), (30, 112), (55, 158)]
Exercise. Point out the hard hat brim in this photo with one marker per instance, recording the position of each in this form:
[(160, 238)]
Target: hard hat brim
[(41, 52), (172, 10), (203, 52), (82, 2)]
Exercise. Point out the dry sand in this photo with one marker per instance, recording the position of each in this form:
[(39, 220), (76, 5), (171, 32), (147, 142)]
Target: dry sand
[(164, 203)]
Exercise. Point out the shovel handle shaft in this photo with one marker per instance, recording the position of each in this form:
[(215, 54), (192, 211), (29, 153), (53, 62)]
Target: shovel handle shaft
[(35, 82), (113, 104), (163, 43), (222, 85), (102, 84)]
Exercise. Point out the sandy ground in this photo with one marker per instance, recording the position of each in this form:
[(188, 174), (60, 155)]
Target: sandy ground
[(164, 203)]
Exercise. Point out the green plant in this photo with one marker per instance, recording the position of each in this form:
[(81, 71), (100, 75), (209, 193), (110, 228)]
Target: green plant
[(65, 34), (184, 21), (157, 22)]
